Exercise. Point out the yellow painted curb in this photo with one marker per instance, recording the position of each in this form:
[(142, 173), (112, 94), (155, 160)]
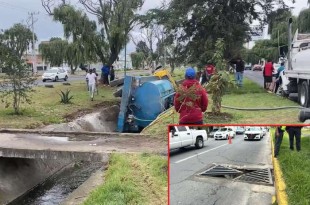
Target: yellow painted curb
[(280, 186)]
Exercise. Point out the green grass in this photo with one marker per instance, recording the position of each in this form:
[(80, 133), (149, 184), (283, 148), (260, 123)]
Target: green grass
[(296, 169), (47, 109), (133, 179), (250, 96)]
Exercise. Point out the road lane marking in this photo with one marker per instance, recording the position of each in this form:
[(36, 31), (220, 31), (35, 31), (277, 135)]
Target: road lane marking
[(182, 160)]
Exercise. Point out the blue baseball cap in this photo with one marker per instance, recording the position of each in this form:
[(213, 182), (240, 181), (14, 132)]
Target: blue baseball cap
[(190, 73)]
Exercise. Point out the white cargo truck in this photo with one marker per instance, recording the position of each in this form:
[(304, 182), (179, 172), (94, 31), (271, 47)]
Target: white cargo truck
[(296, 78)]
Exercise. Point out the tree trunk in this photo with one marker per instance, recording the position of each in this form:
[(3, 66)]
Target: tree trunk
[(112, 58)]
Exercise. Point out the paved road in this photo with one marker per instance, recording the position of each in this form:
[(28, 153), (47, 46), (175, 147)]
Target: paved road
[(80, 76), (187, 188)]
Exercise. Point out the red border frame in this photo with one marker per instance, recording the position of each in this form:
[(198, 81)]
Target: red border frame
[(218, 125)]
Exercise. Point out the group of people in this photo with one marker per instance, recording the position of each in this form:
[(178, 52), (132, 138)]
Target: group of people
[(294, 132), (270, 84), (92, 78)]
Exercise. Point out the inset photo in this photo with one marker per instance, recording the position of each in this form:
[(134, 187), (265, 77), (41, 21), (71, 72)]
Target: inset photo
[(239, 164)]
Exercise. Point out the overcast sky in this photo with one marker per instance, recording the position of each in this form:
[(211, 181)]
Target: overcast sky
[(15, 11)]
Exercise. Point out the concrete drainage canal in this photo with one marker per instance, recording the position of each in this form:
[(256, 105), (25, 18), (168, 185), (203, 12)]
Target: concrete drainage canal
[(38, 182), (49, 182)]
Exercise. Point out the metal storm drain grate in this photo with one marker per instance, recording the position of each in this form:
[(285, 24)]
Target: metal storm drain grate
[(259, 176), (255, 176), (220, 170)]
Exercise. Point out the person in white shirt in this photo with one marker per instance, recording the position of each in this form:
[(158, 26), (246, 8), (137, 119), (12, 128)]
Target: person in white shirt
[(92, 81)]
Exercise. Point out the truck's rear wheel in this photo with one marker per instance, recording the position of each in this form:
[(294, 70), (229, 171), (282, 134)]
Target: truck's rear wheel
[(304, 94), (199, 143)]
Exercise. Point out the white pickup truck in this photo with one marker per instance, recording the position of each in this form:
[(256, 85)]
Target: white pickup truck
[(183, 136)]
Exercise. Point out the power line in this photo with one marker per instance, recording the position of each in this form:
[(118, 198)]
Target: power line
[(8, 5)]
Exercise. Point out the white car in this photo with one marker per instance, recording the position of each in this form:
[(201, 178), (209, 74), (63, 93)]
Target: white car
[(224, 133), (55, 74), (240, 130), (215, 129), (183, 136), (253, 133)]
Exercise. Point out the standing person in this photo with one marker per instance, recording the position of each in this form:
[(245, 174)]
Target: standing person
[(210, 70), (112, 73), (92, 82), (96, 89), (278, 77), (203, 76), (239, 70), (86, 78), (105, 71), (268, 70), (278, 139), (191, 101), (294, 132)]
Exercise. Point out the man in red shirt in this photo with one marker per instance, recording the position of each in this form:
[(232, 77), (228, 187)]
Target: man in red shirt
[(210, 69), (268, 70), (191, 101)]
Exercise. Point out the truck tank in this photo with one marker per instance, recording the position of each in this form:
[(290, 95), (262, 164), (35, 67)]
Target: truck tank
[(143, 99)]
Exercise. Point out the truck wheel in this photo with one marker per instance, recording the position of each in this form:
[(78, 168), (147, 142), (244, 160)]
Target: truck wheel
[(304, 94), (199, 143)]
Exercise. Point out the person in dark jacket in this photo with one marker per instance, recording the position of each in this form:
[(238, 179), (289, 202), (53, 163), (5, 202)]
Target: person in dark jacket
[(105, 71), (112, 73), (294, 132), (278, 139), (191, 101), (239, 70)]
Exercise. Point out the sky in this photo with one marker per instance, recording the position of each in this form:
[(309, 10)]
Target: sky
[(16, 11)]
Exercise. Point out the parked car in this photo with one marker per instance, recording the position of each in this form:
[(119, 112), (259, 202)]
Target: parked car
[(55, 74), (253, 133), (258, 67), (248, 66), (224, 133), (211, 134), (183, 136), (240, 130)]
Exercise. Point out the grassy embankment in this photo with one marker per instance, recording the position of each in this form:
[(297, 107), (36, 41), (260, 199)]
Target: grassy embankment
[(296, 169), (47, 109), (133, 179)]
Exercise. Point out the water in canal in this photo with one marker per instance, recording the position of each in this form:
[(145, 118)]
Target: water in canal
[(57, 188)]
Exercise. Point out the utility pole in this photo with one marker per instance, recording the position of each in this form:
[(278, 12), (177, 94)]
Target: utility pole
[(33, 21)]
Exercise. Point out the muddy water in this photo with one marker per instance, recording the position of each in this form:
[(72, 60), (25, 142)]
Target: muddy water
[(57, 188)]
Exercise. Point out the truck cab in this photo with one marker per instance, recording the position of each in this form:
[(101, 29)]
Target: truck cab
[(183, 136)]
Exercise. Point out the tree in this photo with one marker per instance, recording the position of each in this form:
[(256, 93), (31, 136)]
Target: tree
[(137, 59), (81, 30), (198, 24), (54, 51), (142, 47), (220, 81), (18, 81), (115, 20), (304, 21), (18, 38)]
